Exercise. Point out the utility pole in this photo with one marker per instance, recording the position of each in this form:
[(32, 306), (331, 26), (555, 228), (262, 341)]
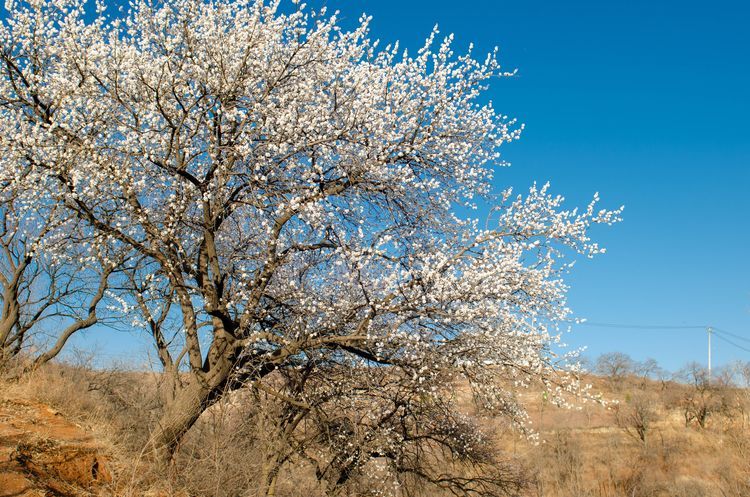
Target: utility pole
[(708, 331)]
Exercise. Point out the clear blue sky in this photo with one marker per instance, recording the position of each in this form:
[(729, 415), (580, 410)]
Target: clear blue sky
[(646, 102)]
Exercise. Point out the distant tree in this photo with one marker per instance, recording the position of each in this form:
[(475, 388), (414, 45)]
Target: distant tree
[(694, 404), (742, 369), (615, 366), (289, 193), (705, 396), (649, 369)]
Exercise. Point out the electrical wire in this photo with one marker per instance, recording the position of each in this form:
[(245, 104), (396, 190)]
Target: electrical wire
[(721, 337), (739, 337), (718, 332), (641, 326)]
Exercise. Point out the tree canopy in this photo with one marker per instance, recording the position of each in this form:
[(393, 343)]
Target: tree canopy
[(279, 195)]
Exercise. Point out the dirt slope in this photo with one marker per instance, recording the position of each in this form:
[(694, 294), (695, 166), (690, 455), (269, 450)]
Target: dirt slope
[(42, 454)]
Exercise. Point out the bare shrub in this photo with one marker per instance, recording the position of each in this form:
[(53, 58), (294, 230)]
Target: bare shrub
[(700, 399), (636, 416), (563, 464)]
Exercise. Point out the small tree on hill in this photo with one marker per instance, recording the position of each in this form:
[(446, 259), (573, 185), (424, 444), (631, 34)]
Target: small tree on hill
[(616, 366), (705, 396), (289, 191), (635, 416)]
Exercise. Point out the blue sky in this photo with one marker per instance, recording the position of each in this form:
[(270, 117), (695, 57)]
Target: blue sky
[(646, 102)]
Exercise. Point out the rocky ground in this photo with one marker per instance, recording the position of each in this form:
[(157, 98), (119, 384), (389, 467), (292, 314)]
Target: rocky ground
[(42, 454)]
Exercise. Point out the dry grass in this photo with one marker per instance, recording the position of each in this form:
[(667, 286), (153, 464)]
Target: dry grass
[(593, 451), (117, 407), (596, 451)]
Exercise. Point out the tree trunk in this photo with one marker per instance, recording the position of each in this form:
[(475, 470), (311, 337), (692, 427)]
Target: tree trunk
[(180, 414), (189, 401)]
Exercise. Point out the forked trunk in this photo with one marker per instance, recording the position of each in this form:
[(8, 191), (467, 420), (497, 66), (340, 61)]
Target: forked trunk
[(188, 403), (180, 414)]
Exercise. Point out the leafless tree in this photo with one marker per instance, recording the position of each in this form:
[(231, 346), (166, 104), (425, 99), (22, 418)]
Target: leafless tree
[(616, 366), (648, 369), (704, 397)]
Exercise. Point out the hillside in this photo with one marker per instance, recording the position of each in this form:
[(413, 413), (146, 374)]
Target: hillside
[(71, 432), (649, 443), (42, 454)]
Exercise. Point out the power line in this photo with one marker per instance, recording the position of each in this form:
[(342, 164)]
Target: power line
[(739, 337), (641, 326), (721, 337), (718, 332)]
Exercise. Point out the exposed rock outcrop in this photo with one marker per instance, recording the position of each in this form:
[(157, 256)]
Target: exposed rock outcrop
[(42, 454)]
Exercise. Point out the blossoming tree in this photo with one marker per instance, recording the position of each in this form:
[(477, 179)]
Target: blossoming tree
[(291, 192)]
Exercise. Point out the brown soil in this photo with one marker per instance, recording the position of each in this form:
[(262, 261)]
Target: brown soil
[(42, 454)]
